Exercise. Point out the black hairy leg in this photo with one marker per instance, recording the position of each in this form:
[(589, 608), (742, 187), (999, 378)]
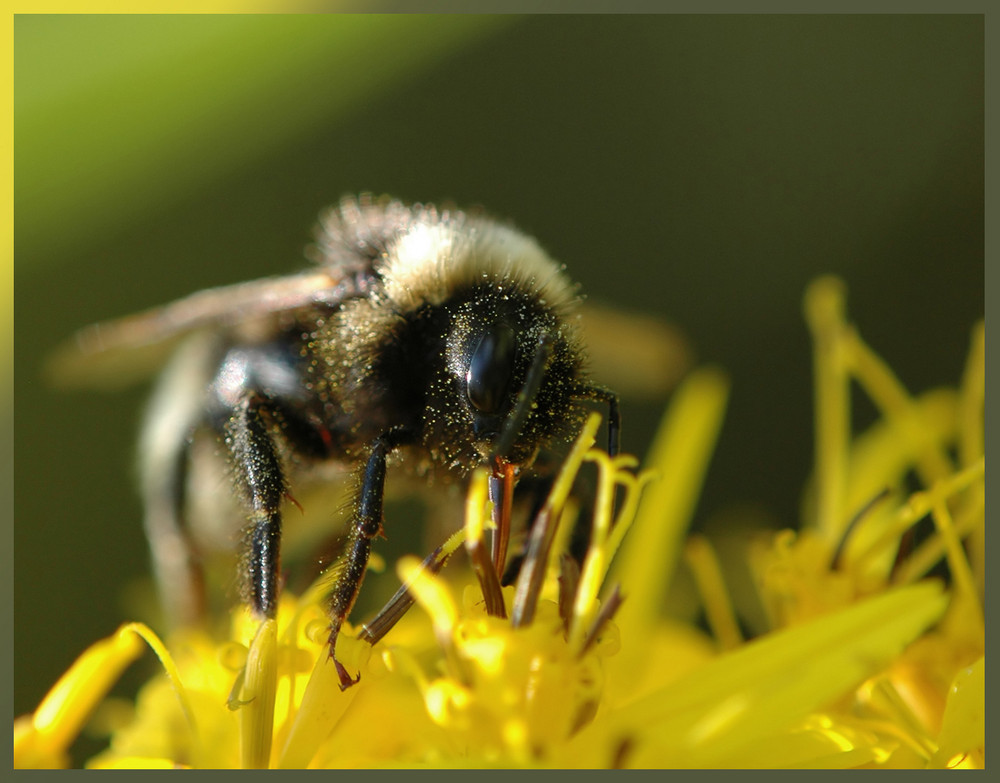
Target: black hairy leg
[(349, 571), (614, 414), (261, 482)]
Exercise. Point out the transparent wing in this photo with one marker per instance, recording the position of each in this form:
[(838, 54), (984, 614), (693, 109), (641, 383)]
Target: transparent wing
[(119, 352), (638, 356)]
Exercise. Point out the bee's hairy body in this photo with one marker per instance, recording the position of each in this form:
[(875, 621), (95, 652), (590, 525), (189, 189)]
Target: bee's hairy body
[(433, 337)]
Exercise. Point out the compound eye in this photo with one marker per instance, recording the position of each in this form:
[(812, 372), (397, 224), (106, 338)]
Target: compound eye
[(490, 369)]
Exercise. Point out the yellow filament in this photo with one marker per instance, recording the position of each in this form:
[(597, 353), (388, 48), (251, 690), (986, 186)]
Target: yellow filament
[(895, 403), (971, 396), (58, 719), (715, 598), (824, 309), (970, 439), (679, 458), (433, 596), (596, 562), (925, 556), (957, 563), (918, 506), (475, 504)]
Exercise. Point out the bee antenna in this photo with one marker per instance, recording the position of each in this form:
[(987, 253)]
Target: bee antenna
[(525, 397)]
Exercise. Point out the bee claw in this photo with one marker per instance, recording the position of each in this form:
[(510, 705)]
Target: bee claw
[(346, 681)]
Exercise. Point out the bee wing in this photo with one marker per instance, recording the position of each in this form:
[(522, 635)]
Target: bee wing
[(639, 356), (126, 350)]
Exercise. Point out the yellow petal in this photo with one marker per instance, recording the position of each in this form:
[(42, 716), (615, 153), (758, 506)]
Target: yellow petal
[(57, 721), (745, 697), (257, 698), (964, 725)]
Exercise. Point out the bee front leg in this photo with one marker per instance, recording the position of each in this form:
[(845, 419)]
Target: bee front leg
[(609, 398), (365, 525), (262, 483)]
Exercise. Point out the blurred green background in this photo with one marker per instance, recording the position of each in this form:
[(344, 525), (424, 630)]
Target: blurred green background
[(704, 168)]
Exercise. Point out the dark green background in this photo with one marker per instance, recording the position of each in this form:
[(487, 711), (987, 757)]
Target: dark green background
[(705, 168)]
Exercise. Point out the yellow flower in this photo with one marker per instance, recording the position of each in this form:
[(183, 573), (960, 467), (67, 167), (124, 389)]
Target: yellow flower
[(867, 663)]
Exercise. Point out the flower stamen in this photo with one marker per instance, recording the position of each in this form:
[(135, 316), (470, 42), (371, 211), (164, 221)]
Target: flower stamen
[(712, 587), (482, 562), (531, 578), (433, 596)]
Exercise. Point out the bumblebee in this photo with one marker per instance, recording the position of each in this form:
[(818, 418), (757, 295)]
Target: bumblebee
[(439, 339)]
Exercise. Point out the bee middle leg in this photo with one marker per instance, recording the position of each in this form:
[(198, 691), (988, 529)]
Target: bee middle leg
[(366, 523)]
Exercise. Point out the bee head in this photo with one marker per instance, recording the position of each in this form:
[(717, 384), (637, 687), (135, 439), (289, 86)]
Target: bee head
[(513, 367), (465, 339)]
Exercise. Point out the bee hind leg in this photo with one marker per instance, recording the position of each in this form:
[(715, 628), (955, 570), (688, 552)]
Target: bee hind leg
[(176, 566), (175, 412)]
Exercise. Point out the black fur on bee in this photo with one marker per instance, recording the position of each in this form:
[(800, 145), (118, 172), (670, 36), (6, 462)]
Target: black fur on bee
[(440, 339)]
